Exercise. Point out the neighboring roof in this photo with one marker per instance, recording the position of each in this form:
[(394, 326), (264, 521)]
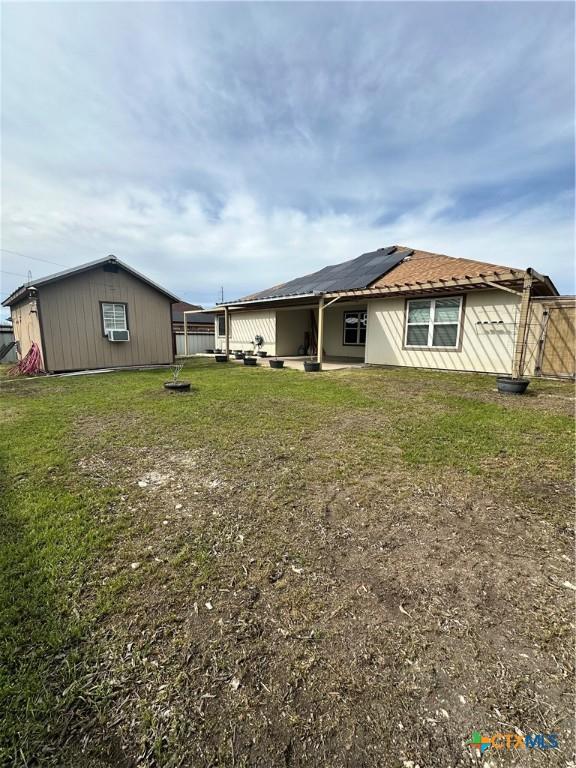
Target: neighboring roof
[(197, 318), (23, 290), (357, 273), (182, 306), (398, 268)]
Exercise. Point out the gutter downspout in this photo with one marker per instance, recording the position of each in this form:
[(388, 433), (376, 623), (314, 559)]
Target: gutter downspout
[(227, 330), (321, 308)]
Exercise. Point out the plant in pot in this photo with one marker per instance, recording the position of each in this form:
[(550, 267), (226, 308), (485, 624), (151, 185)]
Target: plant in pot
[(239, 355), (275, 363), (312, 366), (175, 385), (221, 357), (511, 385), (250, 360), (516, 384)]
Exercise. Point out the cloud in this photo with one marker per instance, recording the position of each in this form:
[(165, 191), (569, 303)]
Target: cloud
[(245, 143)]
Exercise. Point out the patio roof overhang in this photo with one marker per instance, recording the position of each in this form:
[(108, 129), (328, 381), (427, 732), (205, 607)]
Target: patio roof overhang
[(511, 281)]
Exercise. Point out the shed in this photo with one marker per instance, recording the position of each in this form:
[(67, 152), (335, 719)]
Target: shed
[(102, 314)]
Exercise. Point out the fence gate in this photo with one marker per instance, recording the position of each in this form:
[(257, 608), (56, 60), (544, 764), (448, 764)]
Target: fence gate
[(558, 342)]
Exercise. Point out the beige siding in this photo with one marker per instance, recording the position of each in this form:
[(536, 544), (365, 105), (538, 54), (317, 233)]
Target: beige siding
[(334, 331), (488, 335), (26, 326), (291, 328), (72, 322), (245, 326)]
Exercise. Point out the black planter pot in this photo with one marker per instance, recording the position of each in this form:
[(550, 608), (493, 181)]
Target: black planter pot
[(250, 361), (177, 386), (221, 358), (238, 355), (261, 353), (510, 386), (209, 351), (276, 363), (311, 366)]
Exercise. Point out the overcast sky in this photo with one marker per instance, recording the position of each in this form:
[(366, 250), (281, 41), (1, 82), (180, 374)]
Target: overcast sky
[(243, 144)]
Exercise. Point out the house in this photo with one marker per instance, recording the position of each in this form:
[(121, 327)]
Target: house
[(99, 315), (397, 306), (199, 328)]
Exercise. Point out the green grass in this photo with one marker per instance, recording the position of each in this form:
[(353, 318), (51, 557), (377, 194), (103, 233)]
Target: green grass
[(57, 523)]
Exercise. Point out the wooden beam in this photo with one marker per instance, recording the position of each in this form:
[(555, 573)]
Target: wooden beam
[(521, 331), (185, 335), (503, 288), (320, 328)]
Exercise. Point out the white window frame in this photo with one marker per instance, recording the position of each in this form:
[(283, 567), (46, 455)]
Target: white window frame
[(432, 323), (356, 343), (114, 304)]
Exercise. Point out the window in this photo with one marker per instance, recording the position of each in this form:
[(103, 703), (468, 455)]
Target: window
[(433, 322), (221, 325), (114, 317), (355, 327)]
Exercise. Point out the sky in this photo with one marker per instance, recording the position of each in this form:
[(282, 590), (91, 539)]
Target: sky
[(239, 145)]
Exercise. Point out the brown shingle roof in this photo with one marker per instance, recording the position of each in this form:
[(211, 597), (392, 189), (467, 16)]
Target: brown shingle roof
[(423, 266)]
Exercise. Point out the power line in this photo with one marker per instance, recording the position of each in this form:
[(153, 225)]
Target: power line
[(34, 258), (16, 274)]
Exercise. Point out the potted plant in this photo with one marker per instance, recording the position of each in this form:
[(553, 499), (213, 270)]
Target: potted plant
[(511, 385), (275, 363), (239, 355), (262, 353), (175, 385), (312, 366), (221, 358), (250, 360)]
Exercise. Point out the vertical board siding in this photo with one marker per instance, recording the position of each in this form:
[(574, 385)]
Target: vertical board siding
[(26, 326), (71, 315)]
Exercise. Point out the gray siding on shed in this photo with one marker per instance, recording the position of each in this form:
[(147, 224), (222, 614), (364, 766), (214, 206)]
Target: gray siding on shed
[(71, 319)]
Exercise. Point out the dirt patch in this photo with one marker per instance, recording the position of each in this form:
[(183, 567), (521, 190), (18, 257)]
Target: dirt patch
[(327, 617)]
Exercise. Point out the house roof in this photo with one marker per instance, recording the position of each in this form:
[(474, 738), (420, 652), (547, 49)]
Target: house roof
[(357, 273), (399, 268), (197, 318), (182, 306), (22, 291)]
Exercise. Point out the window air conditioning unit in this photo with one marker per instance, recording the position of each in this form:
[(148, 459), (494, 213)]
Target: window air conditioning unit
[(118, 335)]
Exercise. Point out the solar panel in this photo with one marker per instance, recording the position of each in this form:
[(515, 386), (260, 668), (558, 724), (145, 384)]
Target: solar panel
[(355, 274)]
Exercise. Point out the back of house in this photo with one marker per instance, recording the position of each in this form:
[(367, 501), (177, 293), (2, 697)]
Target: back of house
[(100, 315), (401, 306)]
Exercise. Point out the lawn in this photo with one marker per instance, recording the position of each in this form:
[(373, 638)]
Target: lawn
[(354, 568)]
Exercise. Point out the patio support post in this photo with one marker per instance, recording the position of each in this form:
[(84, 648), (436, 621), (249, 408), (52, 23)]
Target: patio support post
[(521, 331), (320, 328), (227, 330), (185, 335)]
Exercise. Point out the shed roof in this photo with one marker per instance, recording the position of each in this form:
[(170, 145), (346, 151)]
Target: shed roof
[(22, 291)]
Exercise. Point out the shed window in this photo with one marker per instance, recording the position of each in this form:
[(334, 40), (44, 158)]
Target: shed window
[(114, 317), (433, 322), (221, 325), (355, 327)]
